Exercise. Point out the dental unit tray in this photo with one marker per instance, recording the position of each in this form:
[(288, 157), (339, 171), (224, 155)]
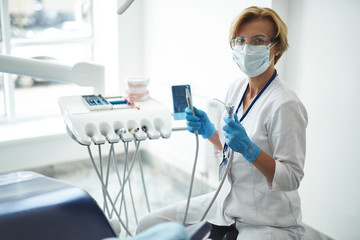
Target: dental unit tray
[(98, 102), (97, 119)]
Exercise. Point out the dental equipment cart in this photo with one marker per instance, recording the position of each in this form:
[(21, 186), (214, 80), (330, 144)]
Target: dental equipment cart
[(96, 121)]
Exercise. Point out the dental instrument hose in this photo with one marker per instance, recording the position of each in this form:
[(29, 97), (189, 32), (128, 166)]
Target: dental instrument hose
[(106, 192), (189, 103), (220, 185), (230, 110), (193, 176)]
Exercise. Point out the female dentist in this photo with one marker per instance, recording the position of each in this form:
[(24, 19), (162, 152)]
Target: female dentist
[(268, 136)]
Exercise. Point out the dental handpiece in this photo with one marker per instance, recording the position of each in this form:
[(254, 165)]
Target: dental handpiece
[(188, 99), (189, 102), (228, 107)]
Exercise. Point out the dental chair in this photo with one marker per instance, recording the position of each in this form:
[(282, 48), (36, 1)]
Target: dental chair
[(33, 206)]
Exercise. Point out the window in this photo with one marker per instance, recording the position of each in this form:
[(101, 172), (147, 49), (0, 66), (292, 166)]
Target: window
[(49, 30)]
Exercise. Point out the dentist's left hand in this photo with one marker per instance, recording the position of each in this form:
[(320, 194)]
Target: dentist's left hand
[(237, 139)]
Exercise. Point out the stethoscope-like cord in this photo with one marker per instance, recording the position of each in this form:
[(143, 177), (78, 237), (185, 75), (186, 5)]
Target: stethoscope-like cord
[(192, 176), (220, 185)]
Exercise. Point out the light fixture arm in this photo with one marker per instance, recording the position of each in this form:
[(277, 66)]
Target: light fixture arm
[(82, 73)]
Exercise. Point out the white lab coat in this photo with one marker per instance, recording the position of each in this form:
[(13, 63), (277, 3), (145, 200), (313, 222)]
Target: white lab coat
[(261, 209)]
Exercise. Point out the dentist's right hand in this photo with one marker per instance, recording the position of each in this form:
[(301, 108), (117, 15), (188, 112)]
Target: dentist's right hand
[(199, 122)]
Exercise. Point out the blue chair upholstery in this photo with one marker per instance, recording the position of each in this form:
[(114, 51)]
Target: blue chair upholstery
[(33, 206)]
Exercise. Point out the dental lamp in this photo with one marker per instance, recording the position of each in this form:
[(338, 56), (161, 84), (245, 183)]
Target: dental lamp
[(82, 73)]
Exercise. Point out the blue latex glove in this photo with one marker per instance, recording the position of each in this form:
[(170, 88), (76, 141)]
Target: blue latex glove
[(237, 139), (199, 122)]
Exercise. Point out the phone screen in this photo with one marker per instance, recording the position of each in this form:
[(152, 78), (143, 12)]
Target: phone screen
[(179, 101)]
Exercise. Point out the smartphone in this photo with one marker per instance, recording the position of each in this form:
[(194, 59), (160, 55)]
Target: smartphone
[(179, 101)]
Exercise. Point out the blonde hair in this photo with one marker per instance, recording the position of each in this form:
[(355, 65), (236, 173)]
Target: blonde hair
[(252, 13)]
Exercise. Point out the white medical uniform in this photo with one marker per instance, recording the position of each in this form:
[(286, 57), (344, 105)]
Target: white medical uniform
[(260, 209)]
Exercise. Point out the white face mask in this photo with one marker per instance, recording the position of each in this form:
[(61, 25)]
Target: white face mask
[(252, 60)]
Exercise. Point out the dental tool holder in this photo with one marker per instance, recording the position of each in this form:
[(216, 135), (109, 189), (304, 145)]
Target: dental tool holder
[(151, 121), (118, 125)]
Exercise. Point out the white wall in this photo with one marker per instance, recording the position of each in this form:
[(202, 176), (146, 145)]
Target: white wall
[(186, 41), (117, 42), (130, 44), (323, 67), (106, 45)]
